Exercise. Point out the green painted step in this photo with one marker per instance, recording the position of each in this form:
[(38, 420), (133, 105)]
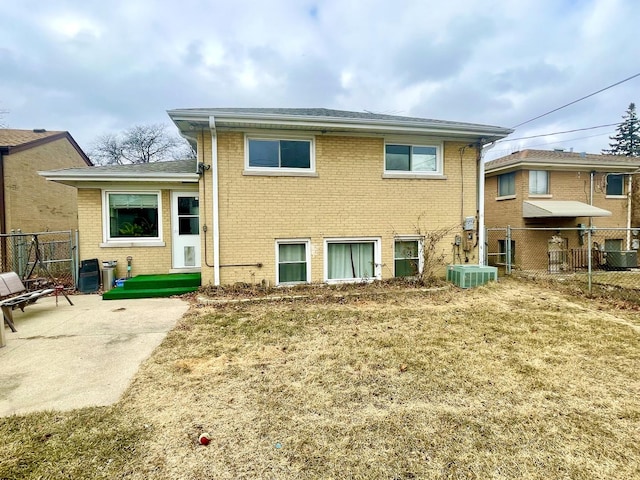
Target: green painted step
[(141, 282), (148, 286), (119, 293)]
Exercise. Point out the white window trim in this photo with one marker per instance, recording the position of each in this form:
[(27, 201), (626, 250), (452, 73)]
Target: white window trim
[(279, 171), (108, 242), (377, 258), (307, 251), (438, 174), (409, 238)]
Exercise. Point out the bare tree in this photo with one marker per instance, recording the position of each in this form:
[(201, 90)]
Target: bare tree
[(139, 144)]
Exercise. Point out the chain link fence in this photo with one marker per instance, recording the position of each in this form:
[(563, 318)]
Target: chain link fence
[(42, 258), (590, 255)]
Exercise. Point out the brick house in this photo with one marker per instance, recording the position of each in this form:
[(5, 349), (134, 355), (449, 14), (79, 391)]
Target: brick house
[(285, 196), (557, 189), (27, 201)]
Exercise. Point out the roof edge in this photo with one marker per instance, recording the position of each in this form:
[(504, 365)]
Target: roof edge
[(202, 116), (48, 139)]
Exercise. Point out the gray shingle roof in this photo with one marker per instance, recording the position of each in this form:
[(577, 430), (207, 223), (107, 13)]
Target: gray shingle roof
[(10, 137), (170, 167), (187, 118), (321, 113), (560, 159)]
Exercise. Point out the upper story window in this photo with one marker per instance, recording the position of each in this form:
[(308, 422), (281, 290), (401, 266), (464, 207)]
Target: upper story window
[(507, 184), (413, 159), (538, 182), (279, 154), (132, 216), (615, 184)]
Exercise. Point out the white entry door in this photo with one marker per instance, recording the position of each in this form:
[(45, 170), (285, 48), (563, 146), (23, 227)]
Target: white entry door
[(185, 226)]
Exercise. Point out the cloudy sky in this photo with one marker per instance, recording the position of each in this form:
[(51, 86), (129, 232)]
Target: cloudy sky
[(93, 66)]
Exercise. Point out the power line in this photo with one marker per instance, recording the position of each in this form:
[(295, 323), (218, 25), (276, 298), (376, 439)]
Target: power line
[(556, 133), (578, 100), (536, 145)]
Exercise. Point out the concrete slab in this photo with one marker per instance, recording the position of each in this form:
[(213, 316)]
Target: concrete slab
[(65, 357)]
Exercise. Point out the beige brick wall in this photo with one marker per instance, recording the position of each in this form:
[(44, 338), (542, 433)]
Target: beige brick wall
[(347, 198), (34, 204), (562, 186), (500, 213), (146, 260), (532, 247)]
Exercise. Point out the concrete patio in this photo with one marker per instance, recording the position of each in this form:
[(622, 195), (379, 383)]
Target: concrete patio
[(65, 357)]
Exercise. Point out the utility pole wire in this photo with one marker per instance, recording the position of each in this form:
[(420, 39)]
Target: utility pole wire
[(556, 133), (578, 100)]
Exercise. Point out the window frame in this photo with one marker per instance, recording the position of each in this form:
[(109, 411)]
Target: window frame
[(280, 171), (506, 195), (619, 244), (622, 185), (307, 249), (502, 252), (109, 241), (546, 192), (377, 258), (437, 173), (419, 241)]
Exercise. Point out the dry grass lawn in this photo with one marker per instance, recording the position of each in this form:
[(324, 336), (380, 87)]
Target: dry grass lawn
[(510, 380)]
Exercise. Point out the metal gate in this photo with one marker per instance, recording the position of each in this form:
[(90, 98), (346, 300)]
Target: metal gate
[(49, 256)]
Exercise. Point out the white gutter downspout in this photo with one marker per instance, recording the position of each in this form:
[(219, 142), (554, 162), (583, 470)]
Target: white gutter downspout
[(591, 196), (215, 198), (481, 233), (629, 192)]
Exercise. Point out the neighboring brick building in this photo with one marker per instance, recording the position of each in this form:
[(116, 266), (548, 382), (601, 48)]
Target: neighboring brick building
[(27, 201), (558, 189), (296, 195)]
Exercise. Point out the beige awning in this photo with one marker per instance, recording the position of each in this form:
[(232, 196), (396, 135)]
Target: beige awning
[(561, 208)]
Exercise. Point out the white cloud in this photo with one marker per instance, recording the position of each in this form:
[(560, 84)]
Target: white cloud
[(88, 66)]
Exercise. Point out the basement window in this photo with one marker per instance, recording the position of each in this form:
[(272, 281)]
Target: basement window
[(352, 260), (406, 257), (292, 257)]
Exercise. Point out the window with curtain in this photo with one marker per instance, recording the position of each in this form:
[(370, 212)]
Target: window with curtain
[(615, 184), (506, 184), (538, 182), (351, 261), (411, 158), (279, 154), (292, 263), (406, 258), (133, 215)]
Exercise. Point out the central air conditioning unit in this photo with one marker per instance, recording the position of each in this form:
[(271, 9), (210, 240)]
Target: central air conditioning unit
[(622, 259), (466, 276)]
